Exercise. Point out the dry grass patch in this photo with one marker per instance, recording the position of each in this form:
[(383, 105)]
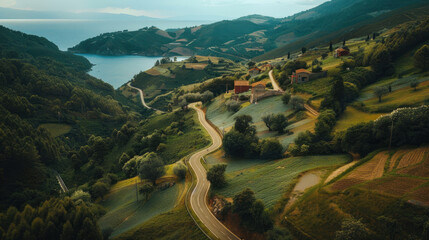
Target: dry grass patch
[(153, 72), (352, 116), (394, 186), (413, 157), (396, 158), (196, 66), (421, 194), (371, 170)]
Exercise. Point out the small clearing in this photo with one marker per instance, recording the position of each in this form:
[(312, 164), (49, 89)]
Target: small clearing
[(56, 129)]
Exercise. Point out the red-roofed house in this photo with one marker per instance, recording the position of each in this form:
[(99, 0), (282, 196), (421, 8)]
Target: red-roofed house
[(300, 76), (241, 86), (339, 52), (254, 71)]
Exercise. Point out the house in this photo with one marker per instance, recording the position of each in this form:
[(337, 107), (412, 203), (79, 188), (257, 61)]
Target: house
[(258, 90), (241, 86), (339, 52), (302, 75), (254, 71), (266, 67)]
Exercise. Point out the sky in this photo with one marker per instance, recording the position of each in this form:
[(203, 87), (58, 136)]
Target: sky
[(208, 9)]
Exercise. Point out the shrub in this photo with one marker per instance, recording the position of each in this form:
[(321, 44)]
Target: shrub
[(232, 105), (297, 102), (216, 175), (271, 149), (180, 170)]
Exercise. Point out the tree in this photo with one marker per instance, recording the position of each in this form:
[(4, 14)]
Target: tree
[(374, 35), (297, 102), (68, 232), (303, 50), (251, 211), (421, 58), (146, 190), (183, 104), (352, 229), (331, 48), (157, 63), (216, 175), (380, 91), (344, 42), (268, 119), (414, 84), (180, 170), (390, 226), (288, 55), (151, 167), (243, 203), (271, 149), (251, 64), (232, 105), (367, 38), (324, 55), (286, 98), (123, 159), (242, 123), (99, 189)]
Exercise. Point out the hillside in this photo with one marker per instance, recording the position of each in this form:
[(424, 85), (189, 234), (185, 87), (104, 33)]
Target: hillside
[(261, 37), (49, 109)]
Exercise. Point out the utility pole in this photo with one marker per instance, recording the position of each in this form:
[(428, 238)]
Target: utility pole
[(391, 134), (137, 192)]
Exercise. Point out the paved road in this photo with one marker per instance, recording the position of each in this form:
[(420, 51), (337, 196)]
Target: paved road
[(142, 97), (274, 82), (199, 194)]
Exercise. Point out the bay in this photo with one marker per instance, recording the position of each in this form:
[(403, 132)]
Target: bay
[(118, 70)]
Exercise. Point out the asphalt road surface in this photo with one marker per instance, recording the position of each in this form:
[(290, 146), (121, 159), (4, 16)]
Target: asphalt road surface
[(199, 194)]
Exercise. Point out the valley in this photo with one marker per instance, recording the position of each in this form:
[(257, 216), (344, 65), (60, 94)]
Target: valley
[(309, 126)]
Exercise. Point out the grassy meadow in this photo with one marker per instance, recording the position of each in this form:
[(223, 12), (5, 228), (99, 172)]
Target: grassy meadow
[(56, 129), (271, 179)]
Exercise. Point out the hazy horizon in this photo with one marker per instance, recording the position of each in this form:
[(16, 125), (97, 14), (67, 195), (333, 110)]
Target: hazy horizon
[(193, 9)]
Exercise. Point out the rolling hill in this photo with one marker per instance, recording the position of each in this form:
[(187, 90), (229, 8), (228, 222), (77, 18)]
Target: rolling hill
[(262, 37)]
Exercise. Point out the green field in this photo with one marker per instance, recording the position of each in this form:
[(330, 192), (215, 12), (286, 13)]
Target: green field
[(175, 224), (403, 97), (124, 212), (270, 180), (218, 114), (351, 116), (56, 129)]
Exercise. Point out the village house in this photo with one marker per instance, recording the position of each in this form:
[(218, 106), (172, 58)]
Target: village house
[(254, 71), (340, 52), (302, 75), (241, 86)]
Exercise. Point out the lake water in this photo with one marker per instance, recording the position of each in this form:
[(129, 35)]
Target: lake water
[(67, 33), (117, 70)]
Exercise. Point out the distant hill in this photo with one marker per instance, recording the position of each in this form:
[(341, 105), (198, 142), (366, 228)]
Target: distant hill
[(10, 13), (261, 37)]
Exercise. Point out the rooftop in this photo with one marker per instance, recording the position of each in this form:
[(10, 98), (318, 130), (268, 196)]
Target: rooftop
[(258, 83), (241, 83), (302, 70)]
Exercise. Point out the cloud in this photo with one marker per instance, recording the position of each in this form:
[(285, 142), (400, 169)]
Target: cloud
[(129, 11), (7, 3)]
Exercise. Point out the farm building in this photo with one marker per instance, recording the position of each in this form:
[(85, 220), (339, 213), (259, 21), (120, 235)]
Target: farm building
[(302, 75), (254, 71), (241, 86), (339, 52), (259, 92)]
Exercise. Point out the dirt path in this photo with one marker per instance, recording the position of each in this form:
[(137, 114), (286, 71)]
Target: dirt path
[(274, 82), (340, 170)]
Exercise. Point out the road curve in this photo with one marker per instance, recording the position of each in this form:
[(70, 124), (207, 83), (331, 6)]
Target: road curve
[(274, 82), (198, 198), (141, 95)]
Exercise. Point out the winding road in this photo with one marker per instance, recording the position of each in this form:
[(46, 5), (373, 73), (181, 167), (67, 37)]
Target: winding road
[(274, 82), (198, 198), (142, 97)]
